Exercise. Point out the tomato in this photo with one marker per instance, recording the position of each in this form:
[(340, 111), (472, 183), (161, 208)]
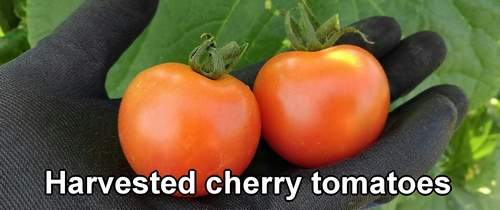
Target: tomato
[(173, 119), (321, 107)]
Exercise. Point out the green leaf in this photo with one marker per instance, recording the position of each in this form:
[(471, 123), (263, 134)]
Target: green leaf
[(13, 35), (20, 8), (13, 44), (470, 160), (471, 36), (240, 21), (44, 16), (471, 30), (459, 199), (8, 19)]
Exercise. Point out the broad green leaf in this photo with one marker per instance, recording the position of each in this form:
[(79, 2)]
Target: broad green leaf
[(472, 37), (44, 16), (240, 21)]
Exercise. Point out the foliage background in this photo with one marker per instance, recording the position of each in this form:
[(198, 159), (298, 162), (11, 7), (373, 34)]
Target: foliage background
[(471, 30)]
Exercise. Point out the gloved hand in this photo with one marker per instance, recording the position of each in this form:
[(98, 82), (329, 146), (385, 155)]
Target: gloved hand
[(54, 114)]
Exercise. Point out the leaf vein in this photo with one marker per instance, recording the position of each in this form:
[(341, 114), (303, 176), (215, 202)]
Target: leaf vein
[(224, 22), (376, 7), (355, 7)]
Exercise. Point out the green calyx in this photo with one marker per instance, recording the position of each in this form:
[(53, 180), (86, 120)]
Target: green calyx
[(214, 63), (314, 36)]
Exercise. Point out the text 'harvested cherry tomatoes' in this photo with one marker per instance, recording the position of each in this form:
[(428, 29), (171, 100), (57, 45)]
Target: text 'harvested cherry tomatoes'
[(323, 106), (173, 119)]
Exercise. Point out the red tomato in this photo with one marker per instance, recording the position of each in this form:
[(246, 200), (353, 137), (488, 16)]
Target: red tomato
[(318, 108), (173, 119)]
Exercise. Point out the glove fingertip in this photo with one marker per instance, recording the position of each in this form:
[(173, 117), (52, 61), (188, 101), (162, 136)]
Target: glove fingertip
[(414, 59), (457, 96), (383, 30)]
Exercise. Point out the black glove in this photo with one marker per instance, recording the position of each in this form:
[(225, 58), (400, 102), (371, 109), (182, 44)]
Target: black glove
[(54, 114)]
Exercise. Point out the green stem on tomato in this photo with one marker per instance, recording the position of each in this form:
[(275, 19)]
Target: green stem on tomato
[(219, 62), (314, 36)]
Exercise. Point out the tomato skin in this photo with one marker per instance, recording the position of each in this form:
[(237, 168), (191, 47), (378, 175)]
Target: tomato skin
[(318, 108), (173, 119)]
